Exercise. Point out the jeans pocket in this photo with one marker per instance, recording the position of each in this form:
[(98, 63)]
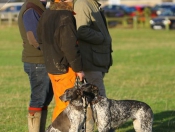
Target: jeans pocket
[(40, 70)]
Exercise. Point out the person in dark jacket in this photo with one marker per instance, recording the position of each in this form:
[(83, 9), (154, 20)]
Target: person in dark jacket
[(32, 57), (95, 46), (57, 37)]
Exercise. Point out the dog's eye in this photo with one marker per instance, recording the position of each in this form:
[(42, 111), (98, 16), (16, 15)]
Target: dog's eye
[(78, 91)]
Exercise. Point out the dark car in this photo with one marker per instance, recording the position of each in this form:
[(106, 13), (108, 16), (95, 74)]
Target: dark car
[(159, 8), (117, 10), (167, 17)]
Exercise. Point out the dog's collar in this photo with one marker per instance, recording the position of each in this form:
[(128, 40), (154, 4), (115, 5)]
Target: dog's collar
[(96, 99)]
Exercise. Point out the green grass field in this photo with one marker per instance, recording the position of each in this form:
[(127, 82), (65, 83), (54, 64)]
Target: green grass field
[(143, 69)]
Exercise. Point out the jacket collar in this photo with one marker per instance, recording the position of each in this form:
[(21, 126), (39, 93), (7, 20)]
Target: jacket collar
[(61, 6)]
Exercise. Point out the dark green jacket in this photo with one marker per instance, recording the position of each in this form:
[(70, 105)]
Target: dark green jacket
[(93, 37), (29, 53)]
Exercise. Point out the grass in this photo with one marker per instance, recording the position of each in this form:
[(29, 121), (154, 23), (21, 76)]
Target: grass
[(143, 69)]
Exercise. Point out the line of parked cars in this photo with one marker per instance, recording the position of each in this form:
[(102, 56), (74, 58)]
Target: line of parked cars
[(129, 12), (161, 15)]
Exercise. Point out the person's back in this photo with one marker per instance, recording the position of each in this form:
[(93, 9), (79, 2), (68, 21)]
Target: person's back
[(32, 57), (57, 37), (55, 46), (95, 45)]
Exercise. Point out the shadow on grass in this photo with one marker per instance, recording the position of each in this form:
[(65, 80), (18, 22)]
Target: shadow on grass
[(163, 122)]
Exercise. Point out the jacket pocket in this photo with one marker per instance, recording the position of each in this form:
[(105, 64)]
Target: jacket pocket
[(101, 55)]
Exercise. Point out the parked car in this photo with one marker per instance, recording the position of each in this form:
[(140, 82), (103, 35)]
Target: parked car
[(165, 18), (10, 10), (159, 8), (116, 10)]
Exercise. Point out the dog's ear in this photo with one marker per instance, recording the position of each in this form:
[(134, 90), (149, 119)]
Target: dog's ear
[(95, 90), (94, 87)]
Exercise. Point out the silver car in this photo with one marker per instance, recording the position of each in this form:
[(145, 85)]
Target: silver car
[(10, 11)]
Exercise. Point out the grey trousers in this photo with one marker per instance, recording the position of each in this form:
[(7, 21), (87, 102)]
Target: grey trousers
[(96, 78)]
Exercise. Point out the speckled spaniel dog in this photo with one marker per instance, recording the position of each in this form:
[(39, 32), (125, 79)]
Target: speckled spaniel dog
[(110, 114), (73, 117)]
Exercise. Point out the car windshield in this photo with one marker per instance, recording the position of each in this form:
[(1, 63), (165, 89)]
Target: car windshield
[(166, 6), (167, 13)]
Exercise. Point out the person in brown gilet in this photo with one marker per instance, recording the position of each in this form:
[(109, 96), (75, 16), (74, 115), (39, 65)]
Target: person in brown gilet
[(32, 58)]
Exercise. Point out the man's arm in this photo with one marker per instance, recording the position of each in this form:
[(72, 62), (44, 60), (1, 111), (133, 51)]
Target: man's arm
[(86, 32), (70, 46), (30, 19)]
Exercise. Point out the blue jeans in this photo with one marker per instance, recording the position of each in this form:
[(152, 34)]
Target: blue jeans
[(41, 87)]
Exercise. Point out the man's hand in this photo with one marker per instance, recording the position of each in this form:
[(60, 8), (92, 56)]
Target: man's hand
[(80, 74)]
